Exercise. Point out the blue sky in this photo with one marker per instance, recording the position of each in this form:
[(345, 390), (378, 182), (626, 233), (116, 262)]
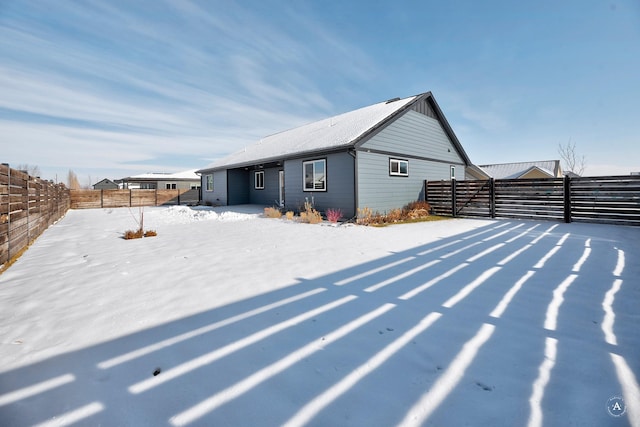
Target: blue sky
[(116, 88)]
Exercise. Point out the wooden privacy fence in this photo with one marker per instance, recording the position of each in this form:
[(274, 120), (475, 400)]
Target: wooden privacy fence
[(92, 199), (606, 199), (28, 206)]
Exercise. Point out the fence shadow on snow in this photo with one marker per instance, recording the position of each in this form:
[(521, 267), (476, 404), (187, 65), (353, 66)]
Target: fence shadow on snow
[(464, 329)]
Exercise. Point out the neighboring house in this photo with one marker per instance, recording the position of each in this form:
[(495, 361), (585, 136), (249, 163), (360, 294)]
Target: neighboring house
[(376, 157), (105, 184), (187, 180), (520, 170)]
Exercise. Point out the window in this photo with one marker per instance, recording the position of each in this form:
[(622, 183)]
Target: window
[(171, 186), (315, 175), (453, 172), (259, 180), (209, 182), (398, 167)]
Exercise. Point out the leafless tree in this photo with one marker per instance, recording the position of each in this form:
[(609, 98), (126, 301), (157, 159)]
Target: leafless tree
[(30, 169), (572, 162), (72, 180)]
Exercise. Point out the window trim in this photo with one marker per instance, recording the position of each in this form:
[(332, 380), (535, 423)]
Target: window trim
[(452, 172), (208, 182), (304, 178), (393, 160), (257, 177)]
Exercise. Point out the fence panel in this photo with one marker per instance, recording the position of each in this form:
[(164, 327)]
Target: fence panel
[(530, 198), (28, 206), (606, 199), (610, 199), (92, 199), (473, 198), (439, 196)]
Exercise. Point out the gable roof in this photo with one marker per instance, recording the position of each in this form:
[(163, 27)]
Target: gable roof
[(337, 132), (105, 181), (517, 170)]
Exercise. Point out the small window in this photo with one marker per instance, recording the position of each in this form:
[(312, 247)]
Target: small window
[(398, 167), (315, 175), (453, 172), (171, 186), (259, 180), (209, 182)]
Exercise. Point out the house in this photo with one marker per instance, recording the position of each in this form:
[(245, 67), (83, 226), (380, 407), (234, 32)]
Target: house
[(376, 157), (105, 184), (520, 170), (187, 180)]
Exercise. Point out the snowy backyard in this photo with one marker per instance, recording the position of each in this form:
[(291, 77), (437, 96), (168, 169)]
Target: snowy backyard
[(226, 318)]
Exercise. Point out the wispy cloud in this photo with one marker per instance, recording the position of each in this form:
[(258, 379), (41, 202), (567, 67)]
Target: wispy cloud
[(100, 85)]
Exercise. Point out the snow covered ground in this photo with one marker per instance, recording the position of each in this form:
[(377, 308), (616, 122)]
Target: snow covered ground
[(229, 319)]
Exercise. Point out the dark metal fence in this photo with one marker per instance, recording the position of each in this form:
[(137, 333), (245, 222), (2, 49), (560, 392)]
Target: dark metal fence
[(606, 199)]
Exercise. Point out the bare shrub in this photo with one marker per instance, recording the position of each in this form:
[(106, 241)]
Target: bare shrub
[(289, 215), (334, 215)]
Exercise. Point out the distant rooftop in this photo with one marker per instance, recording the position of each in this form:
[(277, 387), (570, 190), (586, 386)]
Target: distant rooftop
[(516, 170)]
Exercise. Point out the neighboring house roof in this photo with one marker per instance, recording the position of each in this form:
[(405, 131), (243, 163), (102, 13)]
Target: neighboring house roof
[(518, 170), (337, 132), (105, 181), (189, 175)]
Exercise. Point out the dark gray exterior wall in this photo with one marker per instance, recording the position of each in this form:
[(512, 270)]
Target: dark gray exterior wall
[(416, 138), (270, 194), (219, 194), (340, 181), (238, 186)]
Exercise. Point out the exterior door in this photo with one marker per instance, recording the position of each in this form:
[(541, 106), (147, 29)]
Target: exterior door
[(281, 186)]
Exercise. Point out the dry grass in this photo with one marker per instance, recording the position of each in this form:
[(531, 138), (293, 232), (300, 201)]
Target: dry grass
[(138, 234), (272, 213), (417, 211), (289, 215), (310, 215)]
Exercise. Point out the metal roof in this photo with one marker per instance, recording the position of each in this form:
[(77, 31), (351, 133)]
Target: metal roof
[(516, 170)]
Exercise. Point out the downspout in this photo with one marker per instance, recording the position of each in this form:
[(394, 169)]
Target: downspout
[(356, 202)]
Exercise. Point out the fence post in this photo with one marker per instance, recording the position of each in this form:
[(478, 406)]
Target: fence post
[(567, 198), (454, 202)]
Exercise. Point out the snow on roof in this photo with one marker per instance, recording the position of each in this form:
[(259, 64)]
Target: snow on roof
[(515, 170), (188, 174), (334, 132)]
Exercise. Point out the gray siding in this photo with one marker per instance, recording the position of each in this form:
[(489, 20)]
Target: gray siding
[(340, 184), (417, 135), (381, 192), (270, 194), (219, 194), (180, 185)]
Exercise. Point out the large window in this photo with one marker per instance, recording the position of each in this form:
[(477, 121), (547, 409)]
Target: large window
[(259, 180), (398, 167), (209, 183), (315, 175)]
